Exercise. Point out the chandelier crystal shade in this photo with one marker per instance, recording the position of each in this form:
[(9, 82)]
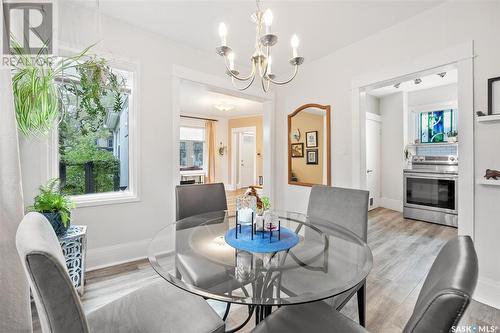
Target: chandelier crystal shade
[(261, 60)]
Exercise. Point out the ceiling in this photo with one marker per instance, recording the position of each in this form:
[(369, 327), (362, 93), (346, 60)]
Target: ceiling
[(428, 81), (322, 26), (198, 99)]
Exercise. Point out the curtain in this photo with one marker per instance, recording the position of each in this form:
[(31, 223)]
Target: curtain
[(15, 311), (210, 140)]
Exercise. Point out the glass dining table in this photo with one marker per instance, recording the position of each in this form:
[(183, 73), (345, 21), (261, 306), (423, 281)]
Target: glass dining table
[(194, 254)]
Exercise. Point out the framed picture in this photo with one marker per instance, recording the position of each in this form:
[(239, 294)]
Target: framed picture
[(494, 95), (312, 139), (297, 149), (312, 156)]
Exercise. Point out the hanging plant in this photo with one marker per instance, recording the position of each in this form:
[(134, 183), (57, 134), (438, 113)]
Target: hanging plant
[(41, 87), (96, 81)]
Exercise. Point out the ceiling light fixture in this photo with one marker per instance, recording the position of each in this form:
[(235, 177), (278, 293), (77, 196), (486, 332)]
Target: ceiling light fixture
[(442, 75), (224, 107), (397, 85), (261, 59), (418, 81)]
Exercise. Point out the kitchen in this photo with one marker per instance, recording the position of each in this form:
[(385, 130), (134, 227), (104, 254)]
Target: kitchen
[(412, 147)]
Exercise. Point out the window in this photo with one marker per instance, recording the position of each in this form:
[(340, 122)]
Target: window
[(94, 146), (435, 126), (191, 148)]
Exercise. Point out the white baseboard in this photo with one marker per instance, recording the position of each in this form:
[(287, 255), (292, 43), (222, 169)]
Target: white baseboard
[(393, 204), (116, 254), (488, 292)]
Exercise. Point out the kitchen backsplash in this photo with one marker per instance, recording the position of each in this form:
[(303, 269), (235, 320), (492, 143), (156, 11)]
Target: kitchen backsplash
[(437, 150)]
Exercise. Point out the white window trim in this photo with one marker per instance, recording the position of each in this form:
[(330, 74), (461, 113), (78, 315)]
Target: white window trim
[(132, 194)]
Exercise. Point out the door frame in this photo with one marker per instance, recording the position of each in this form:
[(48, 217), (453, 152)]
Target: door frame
[(223, 85), (460, 57), (234, 159), (376, 118)]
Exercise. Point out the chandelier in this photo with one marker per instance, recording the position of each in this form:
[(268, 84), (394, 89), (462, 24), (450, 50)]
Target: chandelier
[(261, 60)]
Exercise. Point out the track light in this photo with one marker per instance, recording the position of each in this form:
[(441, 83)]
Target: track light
[(397, 85), (418, 81), (442, 75)]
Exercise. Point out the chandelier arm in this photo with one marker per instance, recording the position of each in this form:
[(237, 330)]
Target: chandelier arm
[(246, 78), (265, 84), (287, 81), (245, 87), (262, 75)]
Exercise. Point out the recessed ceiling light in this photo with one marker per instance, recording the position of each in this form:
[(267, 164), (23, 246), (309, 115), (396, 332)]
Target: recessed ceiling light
[(418, 81), (397, 85), (224, 107), (443, 74)]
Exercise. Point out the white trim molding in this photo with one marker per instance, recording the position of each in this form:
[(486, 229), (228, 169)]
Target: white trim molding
[(132, 194), (488, 292), (107, 256), (392, 204)]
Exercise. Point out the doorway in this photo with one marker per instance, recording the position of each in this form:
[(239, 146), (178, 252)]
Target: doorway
[(243, 157), (459, 57), (373, 134)]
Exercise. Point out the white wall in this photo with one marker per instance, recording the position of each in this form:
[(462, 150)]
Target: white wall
[(434, 95), (122, 231), (391, 151), (328, 81)]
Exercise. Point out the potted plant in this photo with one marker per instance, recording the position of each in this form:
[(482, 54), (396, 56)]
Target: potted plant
[(54, 205), (453, 136)]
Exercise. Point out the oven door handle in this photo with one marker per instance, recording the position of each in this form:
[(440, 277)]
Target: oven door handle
[(431, 176)]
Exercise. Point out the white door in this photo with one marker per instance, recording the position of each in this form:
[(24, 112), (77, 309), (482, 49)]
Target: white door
[(247, 159), (373, 161)]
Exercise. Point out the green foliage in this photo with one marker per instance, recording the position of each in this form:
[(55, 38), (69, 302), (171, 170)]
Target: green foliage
[(51, 200), (266, 203), (40, 100), (83, 149), (36, 96), (97, 84)]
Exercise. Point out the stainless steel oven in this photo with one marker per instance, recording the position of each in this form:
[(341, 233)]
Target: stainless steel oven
[(431, 190)]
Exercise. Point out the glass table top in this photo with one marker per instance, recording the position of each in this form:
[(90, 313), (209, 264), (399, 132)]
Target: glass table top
[(193, 255)]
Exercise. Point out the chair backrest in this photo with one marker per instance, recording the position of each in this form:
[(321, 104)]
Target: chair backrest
[(447, 289), (58, 305), (198, 199), (343, 206)]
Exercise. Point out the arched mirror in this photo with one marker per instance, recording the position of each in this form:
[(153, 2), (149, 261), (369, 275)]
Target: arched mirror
[(309, 145)]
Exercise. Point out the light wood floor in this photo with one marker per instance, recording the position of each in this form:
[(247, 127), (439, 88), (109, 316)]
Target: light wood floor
[(403, 251)]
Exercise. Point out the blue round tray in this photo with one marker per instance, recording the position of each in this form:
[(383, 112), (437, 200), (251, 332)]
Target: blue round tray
[(288, 239)]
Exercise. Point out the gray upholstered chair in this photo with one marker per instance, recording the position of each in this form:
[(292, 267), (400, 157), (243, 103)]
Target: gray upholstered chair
[(445, 295), (348, 208), (198, 199), (156, 307)]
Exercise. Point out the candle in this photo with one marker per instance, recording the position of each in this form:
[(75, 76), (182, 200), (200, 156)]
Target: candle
[(230, 57), (268, 20), (295, 45), (269, 64), (222, 34)]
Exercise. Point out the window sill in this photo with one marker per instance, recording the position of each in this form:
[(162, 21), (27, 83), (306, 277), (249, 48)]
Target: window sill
[(99, 199)]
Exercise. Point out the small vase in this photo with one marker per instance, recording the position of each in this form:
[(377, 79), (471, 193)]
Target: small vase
[(55, 220)]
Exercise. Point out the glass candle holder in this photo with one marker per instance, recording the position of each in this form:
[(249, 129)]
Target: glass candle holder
[(246, 206)]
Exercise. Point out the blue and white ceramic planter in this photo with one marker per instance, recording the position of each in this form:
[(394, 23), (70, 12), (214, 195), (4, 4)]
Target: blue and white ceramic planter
[(57, 223)]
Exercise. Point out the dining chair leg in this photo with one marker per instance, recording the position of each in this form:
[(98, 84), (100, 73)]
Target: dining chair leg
[(362, 304)]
